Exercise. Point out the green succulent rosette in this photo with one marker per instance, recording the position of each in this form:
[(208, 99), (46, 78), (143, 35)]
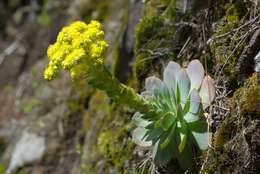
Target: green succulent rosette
[(178, 125)]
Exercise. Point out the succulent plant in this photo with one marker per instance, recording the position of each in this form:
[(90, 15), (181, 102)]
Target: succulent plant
[(178, 123), (170, 117)]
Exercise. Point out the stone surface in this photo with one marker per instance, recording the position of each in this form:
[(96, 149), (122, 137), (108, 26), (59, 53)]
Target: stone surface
[(30, 148), (84, 131)]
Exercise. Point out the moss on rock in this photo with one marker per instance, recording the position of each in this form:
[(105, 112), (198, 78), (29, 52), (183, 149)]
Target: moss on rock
[(228, 43), (107, 127), (117, 149), (249, 97), (154, 45), (237, 139)]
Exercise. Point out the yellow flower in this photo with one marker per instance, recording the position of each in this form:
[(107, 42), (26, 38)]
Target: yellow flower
[(79, 47), (50, 72)]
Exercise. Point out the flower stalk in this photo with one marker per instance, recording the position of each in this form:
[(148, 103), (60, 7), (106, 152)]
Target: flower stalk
[(80, 49), (102, 79)]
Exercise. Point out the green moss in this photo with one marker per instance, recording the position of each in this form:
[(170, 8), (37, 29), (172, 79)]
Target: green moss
[(114, 142), (235, 11), (232, 14), (223, 46), (171, 10), (248, 98), (146, 29), (234, 139), (116, 148), (98, 108), (95, 117), (212, 163), (224, 133), (109, 127), (219, 9), (226, 47), (155, 7), (153, 44)]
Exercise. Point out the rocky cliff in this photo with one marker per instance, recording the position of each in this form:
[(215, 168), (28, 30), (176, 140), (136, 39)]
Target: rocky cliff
[(78, 129)]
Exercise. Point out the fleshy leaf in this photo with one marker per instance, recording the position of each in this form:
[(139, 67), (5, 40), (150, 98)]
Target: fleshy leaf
[(168, 96), (163, 96), (183, 135), (155, 151), (195, 101), (190, 117), (147, 95), (186, 157), (195, 72), (139, 121), (183, 84), (173, 98), (158, 124), (186, 107), (199, 130), (153, 83), (170, 73), (153, 134), (138, 136), (167, 121), (207, 91), (184, 151), (178, 94), (164, 150), (151, 116)]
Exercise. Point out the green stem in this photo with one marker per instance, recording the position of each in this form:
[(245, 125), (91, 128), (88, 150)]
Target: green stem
[(102, 79)]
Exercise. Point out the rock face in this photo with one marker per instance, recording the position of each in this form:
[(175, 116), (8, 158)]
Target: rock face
[(61, 127), (29, 149), (34, 124)]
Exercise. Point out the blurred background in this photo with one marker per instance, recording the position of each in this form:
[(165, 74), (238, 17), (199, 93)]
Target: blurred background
[(53, 116)]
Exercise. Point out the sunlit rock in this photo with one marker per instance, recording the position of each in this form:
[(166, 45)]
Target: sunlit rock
[(29, 149)]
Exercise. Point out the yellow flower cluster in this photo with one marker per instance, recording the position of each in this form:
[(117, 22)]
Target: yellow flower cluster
[(78, 48)]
